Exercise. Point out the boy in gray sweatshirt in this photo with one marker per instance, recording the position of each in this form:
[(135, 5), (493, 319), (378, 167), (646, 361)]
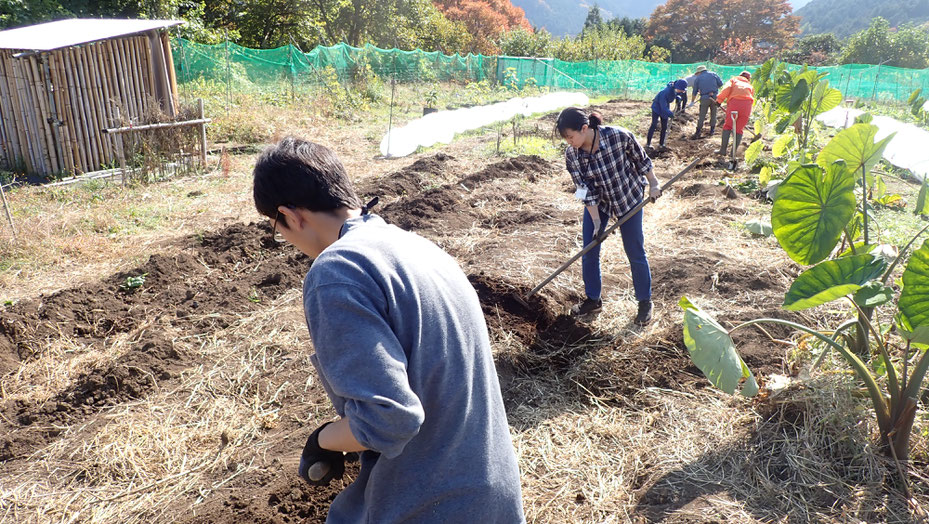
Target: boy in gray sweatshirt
[(402, 351)]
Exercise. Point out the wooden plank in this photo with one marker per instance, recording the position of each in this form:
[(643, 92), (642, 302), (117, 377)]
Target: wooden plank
[(75, 105), (67, 143)]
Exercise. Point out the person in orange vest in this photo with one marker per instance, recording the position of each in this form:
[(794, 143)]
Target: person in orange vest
[(738, 95)]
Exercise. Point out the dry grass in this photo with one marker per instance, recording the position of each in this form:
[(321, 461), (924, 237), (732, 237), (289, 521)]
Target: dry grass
[(140, 458)]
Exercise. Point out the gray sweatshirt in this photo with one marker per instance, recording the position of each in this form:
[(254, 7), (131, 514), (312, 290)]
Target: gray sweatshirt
[(403, 352)]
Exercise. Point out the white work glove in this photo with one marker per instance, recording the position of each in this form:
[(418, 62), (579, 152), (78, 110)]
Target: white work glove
[(654, 192)]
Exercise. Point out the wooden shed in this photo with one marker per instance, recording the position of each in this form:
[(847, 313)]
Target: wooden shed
[(62, 83)]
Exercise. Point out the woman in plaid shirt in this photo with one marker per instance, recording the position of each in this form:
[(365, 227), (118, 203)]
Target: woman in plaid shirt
[(609, 169)]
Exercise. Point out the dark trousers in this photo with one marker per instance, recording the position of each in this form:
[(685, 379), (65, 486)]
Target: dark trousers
[(707, 103), (633, 245), (651, 128), (681, 103)]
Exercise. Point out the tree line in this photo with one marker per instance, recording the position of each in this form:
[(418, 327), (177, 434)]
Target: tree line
[(680, 31)]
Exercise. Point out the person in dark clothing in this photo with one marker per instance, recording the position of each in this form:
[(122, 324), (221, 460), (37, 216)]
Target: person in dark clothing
[(706, 84), (680, 107), (661, 110)]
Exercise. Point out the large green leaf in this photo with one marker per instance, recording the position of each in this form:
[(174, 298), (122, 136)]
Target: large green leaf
[(764, 176), (812, 209), (786, 122), (873, 294), (759, 227), (712, 350), (752, 152), (832, 279), (856, 146), (914, 299), (782, 145), (825, 98), (790, 98), (922, 200)]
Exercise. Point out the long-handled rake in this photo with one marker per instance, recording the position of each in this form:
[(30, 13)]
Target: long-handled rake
[(599, 239)]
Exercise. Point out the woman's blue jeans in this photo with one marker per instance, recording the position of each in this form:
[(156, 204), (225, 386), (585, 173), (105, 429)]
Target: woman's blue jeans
[(633, 244)]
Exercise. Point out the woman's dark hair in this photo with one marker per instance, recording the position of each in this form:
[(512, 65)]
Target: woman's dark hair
[(574, 118), (299, 173)]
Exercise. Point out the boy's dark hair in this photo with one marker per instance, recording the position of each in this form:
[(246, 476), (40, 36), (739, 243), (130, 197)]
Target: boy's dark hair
[(299, 173)]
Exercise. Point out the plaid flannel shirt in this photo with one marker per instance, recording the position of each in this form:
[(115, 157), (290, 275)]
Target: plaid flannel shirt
[(614, 174)]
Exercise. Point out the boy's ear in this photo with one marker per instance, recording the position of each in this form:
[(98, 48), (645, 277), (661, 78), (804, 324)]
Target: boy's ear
[(290, 216)]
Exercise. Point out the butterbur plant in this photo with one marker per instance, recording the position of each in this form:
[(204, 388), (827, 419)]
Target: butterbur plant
[(817, 207)]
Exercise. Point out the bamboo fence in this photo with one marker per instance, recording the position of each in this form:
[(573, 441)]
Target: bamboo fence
[(54, 105)]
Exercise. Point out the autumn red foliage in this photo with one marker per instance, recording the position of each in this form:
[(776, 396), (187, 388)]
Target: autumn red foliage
[(698, 29), (486, 20)]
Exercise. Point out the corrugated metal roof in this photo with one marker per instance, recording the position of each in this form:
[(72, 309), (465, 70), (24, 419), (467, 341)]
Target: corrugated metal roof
[(66, 33)]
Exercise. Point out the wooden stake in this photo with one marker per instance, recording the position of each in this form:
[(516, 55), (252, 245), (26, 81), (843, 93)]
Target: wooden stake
[(202, 135), (6, 208)]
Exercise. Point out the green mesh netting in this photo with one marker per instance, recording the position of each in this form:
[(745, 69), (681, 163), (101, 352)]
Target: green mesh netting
[(636, 79), (238, 66), (231, 63)]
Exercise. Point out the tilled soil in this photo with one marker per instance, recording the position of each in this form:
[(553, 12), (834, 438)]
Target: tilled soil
[(203, 283)]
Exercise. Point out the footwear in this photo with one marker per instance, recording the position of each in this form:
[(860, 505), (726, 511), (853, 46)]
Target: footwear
[(696, 136), (712, 131), (662, 148), (725, 143), (588, 307), (738, 141), (644, 316)]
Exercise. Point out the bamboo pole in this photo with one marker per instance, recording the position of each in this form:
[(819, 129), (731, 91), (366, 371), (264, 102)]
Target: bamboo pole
[(45, 113), (23, 117), (63, 117), (103, 95), (120, 77), (96, 97), (169, 65), (162, 82), (22, 150), (159, 125), (87, 109), (36, 114), (133, 72), (131, 99), (133, 63), (75, 106), (113, 79), (20, 116), (149, 66), (54, 119), (71, 125), (6, 110)]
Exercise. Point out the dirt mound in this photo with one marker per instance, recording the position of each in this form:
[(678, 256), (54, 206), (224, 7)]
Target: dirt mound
[(531, 166), (615, 373), (207, 284), (410, 180), (131, 376), (708, 272), (273, 498)]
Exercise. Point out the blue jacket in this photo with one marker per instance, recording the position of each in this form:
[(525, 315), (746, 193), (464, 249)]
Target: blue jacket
[(662, 102), (707, 84)]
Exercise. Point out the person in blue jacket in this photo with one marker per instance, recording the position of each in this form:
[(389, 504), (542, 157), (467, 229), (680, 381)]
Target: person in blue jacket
[(402, 351), (661, 110), (706, 84)]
